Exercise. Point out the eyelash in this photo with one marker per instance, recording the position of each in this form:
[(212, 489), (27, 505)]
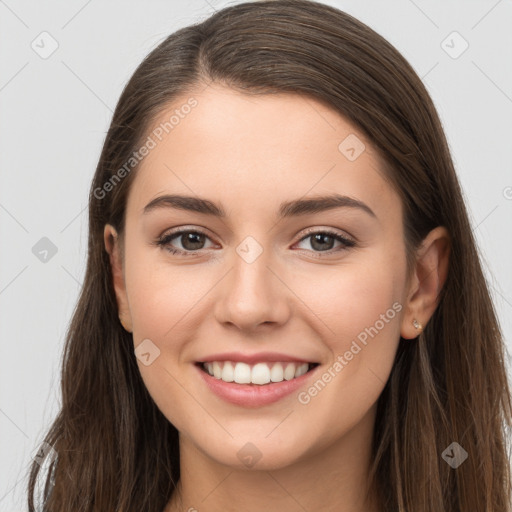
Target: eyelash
[(165, 240)]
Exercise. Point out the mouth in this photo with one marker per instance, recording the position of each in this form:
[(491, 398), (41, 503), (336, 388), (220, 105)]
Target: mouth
[(258, 374)]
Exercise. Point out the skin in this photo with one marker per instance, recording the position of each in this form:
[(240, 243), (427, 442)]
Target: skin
[(249, 154)]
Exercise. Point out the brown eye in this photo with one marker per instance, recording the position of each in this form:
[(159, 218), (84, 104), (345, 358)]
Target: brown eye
[(190, 241), (323, 241)]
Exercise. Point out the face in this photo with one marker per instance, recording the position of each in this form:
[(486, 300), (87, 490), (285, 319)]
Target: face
[(275, 279)]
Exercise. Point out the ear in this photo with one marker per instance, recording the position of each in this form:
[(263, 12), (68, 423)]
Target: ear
[(426, 283), (112, 246)]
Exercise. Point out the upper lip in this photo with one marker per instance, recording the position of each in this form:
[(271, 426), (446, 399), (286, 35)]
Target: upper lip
[(260, 357)]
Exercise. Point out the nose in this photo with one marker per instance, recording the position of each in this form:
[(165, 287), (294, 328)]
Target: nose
[(253, 295)]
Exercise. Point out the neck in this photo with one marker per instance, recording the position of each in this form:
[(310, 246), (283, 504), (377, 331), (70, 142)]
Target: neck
[(333, 477)]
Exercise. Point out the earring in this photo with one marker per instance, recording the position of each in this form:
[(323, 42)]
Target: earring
[(417, 325)]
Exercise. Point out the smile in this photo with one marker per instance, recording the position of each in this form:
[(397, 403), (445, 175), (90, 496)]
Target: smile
[(260, 373), (253, 385)]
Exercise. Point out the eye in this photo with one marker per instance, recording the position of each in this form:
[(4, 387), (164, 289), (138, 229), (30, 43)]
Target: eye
[(190, 240), (323, 241)]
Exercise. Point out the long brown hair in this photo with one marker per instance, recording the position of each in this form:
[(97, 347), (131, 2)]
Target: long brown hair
[(115, 449)]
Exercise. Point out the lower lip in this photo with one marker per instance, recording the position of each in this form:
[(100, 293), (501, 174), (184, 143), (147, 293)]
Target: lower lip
[(253, 395)]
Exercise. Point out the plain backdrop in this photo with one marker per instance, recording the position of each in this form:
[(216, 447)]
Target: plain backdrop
[(55, 111)]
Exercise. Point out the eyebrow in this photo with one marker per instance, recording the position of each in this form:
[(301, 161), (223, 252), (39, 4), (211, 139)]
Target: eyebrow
[(287, 209)]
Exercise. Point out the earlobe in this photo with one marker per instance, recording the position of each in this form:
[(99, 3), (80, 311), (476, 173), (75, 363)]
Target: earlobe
[(430, 273), (112, 246)]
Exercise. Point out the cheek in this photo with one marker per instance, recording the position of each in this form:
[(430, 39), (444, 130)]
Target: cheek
[(162, 300), (362, 310), (361, 306), (161, 295), (360, 296)]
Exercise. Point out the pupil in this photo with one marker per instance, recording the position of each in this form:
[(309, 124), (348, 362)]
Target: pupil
[(318, 237), (192, 240)]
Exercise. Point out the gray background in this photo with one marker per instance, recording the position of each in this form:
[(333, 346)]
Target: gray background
[(55, 112)]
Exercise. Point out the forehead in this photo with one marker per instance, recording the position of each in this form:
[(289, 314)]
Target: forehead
[(256, 150)]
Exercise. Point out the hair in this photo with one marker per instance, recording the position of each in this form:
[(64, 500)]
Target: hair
[(117, 451)]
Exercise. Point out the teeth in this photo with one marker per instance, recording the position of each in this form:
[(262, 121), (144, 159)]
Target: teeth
[(227, 372), (217, 370), (289, 371), (301, 370), (276, 373), (260, 373), (242, 373)]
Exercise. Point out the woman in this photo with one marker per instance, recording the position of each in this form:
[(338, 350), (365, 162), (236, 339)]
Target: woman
[(283, 307)]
